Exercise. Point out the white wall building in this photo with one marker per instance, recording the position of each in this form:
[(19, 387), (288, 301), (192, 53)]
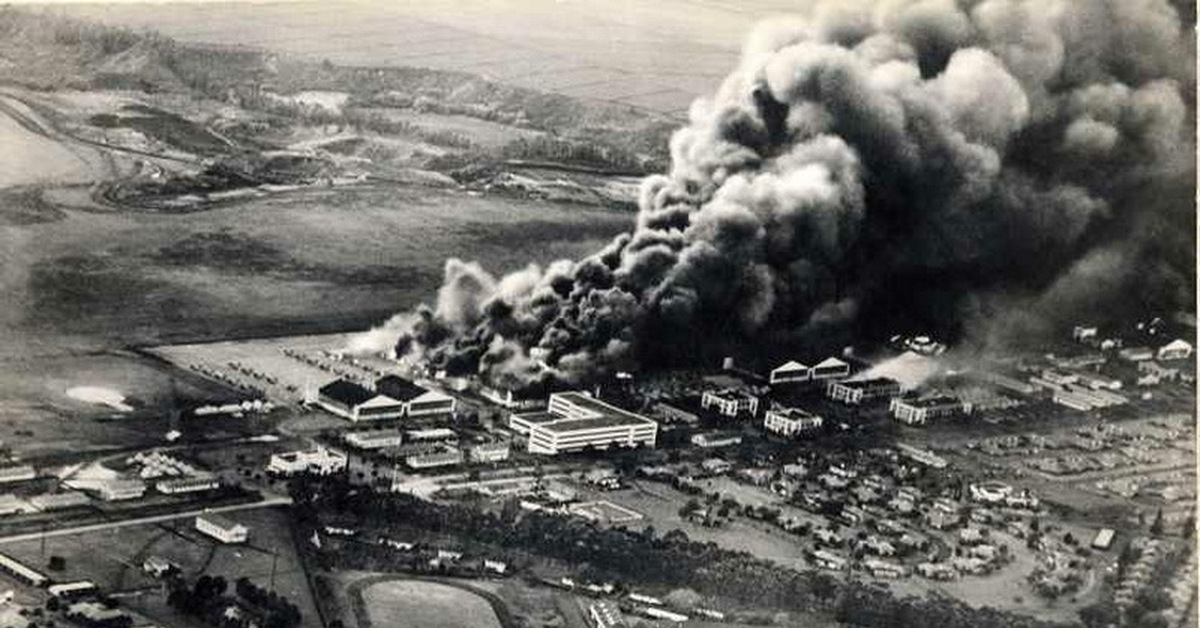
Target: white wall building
[(321, 461), (791, 421), (374, 439), (1175, 350), (729, 402), (116, 490), (577, 421), (222, 529), (179, 486)]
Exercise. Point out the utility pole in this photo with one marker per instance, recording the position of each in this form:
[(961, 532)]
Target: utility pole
[(274, 562)]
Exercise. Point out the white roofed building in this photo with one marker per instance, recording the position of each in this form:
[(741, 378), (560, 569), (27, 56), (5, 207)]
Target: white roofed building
[(789, 372), (222, 529), (1175, 350), (831, 368), (577, 421)]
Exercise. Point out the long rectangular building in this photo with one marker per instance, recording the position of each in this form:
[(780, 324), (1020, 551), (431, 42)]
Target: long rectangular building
[(577, 421)]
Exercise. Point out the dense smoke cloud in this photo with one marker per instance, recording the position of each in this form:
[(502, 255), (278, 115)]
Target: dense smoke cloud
[(979, 169)]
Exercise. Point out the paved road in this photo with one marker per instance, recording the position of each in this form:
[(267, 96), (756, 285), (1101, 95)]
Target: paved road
[(109, 525)]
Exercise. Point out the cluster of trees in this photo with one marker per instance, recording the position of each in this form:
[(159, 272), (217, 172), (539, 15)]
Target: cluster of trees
[(644, 557), (206, 599), (276, 610)]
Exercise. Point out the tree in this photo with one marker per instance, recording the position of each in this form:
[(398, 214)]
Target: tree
[(683, 598), (1156, 528), (57, 563)]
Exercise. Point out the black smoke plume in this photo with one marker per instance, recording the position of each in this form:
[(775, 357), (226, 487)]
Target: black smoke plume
[(984, 170)]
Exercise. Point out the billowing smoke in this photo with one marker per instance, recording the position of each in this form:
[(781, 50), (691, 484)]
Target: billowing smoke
[(980, 170)]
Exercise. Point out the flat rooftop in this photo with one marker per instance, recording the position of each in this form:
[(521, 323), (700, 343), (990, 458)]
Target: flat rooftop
[(606, 416)]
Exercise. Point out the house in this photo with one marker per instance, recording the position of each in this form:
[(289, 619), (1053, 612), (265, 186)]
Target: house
[(990, 492), (157, 566), (884, 569), (941, 516), (879, 546), (1104, 538), (912, 541), (970, 536), (790, 372), (984, 552), (795, 470), (497, 451), (937, 571), (97, 615), (756, 476), (730, 402), (605, 614), (825, 536), (970, 565), (919, 411), (357, 403), (852, 515), (1175, 350), (860, 391), (222, 529), (829, 560), (790, 422), (716, 466)]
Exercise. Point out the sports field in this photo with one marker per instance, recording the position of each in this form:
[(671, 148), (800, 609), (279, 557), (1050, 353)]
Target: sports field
[(423, 604)]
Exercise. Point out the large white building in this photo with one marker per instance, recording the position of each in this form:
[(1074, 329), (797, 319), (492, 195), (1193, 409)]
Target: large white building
[(418, 401), (576, 421), (729, 402), (790, 372), (121, 489), (393, 397), (194, 484), (18, 473), (791, 421), (831, 368), (321, 461), (1175, 350), (374, 439), (222, 529), (920, 411), (856, 392)]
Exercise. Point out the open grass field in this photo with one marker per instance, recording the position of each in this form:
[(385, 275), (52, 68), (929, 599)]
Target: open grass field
[(113, 560), (422, 604), (30, 158), (658, 55), (312, 261)]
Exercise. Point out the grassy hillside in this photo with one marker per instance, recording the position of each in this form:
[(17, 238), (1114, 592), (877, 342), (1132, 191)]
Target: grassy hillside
[(45, 52)]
